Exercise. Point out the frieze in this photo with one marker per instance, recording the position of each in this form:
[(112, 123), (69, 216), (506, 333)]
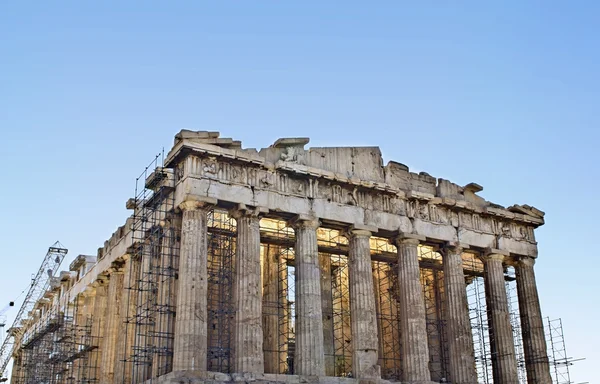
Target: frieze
[(415, 205)]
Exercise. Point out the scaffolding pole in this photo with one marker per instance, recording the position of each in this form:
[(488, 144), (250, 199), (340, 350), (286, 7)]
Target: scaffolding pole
[(149, 330)]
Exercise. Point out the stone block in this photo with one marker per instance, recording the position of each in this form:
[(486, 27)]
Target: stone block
[(291, 142), (188, 134)]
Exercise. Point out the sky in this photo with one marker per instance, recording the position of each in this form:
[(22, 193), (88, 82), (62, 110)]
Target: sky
[(504, 94)]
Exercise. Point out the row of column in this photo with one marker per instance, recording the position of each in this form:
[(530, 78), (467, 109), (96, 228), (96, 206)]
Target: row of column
[(504, 364), (112, 305), (111, 338), (191, 333), (102, 302), (190, 347), (190, 342), (460, 342)]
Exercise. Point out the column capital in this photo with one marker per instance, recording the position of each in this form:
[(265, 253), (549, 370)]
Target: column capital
[(494, 254), (360, 230), (304, 222), (242, 210), (81, 296), (525, 261), (134, 250), (454, 247), (195, 202), (408, 238), (102, 279), (90, 291), (117, 270)]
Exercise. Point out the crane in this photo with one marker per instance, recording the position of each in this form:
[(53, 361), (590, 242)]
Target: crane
[(39, 285)]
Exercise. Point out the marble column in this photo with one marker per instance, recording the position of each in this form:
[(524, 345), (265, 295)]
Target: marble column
[(413, 327), (430, 281), (458, 324), (15, 377), (79, 323), (365, 343), (190, 345), (88, 340), (126, 329), (98, 325), (248, 333), (504, 363), (532, 325), (113, 319), (309, 357)]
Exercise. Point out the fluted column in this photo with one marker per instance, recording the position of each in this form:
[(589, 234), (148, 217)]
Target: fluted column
[(79, 321), (113, 318), (309, 357), (458, 324), (532, 325), (504, 363), (125, 342), (363, 320), (15, 376), (98, 329), (191, 314), (413, 327), (248, 332), (88, 340)]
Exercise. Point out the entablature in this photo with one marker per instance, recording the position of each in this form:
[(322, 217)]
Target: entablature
[(439, 210), (250, 168)]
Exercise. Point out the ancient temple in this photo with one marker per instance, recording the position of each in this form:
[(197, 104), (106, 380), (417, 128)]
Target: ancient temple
[(289, 264)]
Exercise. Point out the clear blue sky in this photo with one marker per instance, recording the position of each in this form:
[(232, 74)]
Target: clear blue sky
[(504, 94)]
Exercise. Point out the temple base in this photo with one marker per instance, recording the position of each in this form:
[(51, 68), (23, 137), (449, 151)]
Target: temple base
[(198, 377)]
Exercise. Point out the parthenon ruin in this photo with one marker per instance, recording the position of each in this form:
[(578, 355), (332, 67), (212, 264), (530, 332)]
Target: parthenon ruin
[(291, 265)]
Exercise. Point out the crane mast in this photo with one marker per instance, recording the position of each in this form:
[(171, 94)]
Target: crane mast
[(39, 285)]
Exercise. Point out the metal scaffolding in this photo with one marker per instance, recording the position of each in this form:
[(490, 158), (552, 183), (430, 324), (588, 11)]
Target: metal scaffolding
[(39, 285), (385, 276), (342, 330), (478, 317), (220, 268), (37, 348), (557, 352), (85, 364), (59, 350), (338, 344), (151, 291), (287, 310), (279, 295), (432, 280)]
